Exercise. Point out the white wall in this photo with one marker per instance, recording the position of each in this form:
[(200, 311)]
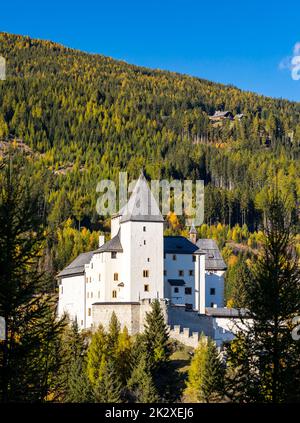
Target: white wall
[(215, 280), (71, 298), (115, 226), (143, 250), (195, 281)]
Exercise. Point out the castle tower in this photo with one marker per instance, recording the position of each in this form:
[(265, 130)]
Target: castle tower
[(193, 234), (141, 232)]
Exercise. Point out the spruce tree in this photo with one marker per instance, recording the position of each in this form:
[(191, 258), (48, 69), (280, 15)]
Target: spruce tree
[(109, 386), (156, 336), (141, 384), (264, 360), (77, 385), (113, 332), (30, 354)]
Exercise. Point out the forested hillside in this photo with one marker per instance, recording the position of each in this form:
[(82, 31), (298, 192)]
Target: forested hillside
[(84, 117)]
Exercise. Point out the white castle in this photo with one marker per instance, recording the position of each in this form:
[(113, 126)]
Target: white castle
[(139, 264)]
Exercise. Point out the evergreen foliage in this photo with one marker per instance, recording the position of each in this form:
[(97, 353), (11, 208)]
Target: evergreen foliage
[(264, 359), (206, 373)]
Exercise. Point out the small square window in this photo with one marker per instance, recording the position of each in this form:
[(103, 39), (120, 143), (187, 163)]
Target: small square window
[(146, 288), (174, 257), (191, 272), (180, 272), (146, 273), (176, 290), (188, 291), (212, 291), (113, 255)]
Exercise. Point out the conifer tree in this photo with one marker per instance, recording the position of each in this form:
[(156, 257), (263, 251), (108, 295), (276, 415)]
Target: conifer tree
[(141, 384), (156, 336), (113, 332), (206, 373), (264, 360), (109, 386), (123, 355), (30, 354), (77, 385), (97, 355)]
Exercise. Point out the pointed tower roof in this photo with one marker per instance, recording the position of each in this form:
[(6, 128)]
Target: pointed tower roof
[(193, 229), (142, 205)]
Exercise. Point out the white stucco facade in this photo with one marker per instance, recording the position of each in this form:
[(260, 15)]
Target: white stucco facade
[(136, 265)]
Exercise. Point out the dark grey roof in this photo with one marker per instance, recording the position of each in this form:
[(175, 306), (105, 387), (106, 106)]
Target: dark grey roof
[(226, 312), (176, 282), (179, 245), (142, 206), (113, 244), (213, 258), (76, 267)]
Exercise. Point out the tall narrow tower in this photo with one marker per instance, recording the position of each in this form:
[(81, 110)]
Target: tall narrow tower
[(193, 234), (141, 232)]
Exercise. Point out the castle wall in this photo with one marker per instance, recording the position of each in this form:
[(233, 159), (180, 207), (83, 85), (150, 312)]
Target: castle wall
[(131, 314)]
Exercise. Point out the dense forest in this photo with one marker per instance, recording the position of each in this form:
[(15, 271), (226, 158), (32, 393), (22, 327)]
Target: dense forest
[(69, 119), (82, 117)]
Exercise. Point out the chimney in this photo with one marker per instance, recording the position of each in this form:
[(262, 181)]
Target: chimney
[(193, 234), (101, 240)]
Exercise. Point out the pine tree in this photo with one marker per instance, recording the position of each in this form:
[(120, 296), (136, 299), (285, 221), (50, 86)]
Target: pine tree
[(157, 336), (264, 360), (30, 354), (206, 373)]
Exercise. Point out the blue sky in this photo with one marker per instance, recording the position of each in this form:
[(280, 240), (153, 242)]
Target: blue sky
[(234, 42)]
